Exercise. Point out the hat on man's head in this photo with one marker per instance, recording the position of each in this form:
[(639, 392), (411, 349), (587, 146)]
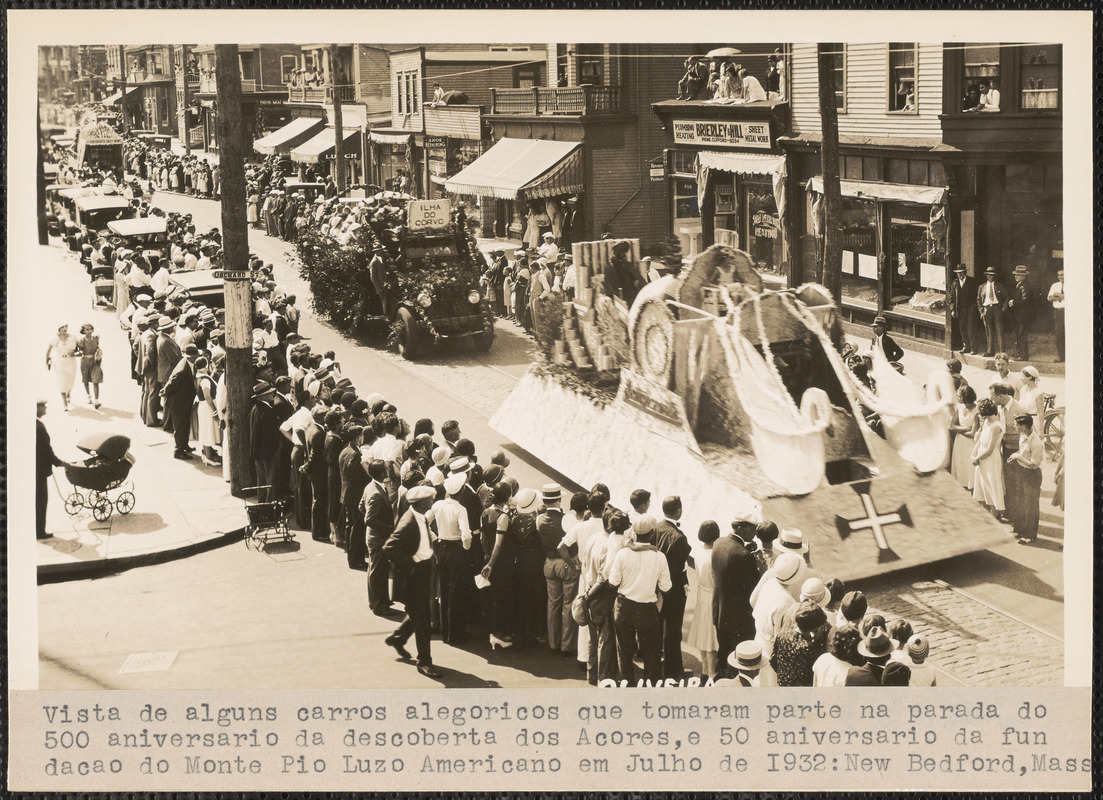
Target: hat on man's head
[(261, 388), (991, 271), (373, 398), (877, 644), (166, 324), (434, 476), (790, 540), (344, 383), (644, 527), (143, 298), (551, 493), (918, 648), (500, 458), (492, 474), (747, 656), (786, 567), (191, 350), (526, 501), (959, 268), (454, 482), (420, 493), (441, 456), (461, 464), (880, 320), (854, 606), (547, 235), (206, 317), (750, 511), (1020, 271), (814, 589)]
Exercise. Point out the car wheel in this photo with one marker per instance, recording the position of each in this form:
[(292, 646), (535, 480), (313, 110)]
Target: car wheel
[(409, 340)]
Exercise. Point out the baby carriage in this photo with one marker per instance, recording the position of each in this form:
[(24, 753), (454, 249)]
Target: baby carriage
[(103, 286), (104, 471), (267, 521)]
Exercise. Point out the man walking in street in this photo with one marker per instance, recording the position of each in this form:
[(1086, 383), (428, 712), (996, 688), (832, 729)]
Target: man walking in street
[(410, 549), (992, 303), (962, 300), (672, 543), (639, 573)]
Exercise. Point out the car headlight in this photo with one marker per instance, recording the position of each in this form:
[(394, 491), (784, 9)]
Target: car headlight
[(424, 300), (473, 296)]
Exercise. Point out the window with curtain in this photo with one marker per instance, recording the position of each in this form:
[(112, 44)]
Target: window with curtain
[(980, 78), (903, 58), (1040, 77)]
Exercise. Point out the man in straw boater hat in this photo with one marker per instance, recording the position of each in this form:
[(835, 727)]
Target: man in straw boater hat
[(410, 549), (560, 574), (992, 300), (453, 563), (1022, 307), (639, 573), (772, 602), (746, 661)]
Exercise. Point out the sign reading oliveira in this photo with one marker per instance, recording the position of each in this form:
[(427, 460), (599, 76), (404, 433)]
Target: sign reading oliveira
[(428, 215), (717, 132)]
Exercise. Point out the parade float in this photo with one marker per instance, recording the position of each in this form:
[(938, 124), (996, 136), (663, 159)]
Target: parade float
[(426, 283), (736, 398)]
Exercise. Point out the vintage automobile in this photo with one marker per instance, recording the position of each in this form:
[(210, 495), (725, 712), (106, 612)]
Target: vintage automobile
[(94, 213), (145, 235), (307, 190)]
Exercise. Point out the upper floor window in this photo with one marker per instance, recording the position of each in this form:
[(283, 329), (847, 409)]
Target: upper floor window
[(245, 61), (407, 92), (981, 78), (591, 65), (903, 58), (288, 65), (837, 50), (1039, 77)]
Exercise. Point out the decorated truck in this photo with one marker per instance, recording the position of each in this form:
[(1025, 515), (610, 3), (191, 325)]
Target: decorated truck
[(736, 397), (404, 264)]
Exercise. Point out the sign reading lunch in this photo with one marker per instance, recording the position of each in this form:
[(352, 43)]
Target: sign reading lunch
[(725, 134), (427, 215)]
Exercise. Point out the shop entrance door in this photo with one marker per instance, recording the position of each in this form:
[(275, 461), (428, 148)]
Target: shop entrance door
[(1037, 242)]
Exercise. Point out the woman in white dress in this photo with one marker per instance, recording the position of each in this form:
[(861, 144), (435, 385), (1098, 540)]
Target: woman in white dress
[(702, 631), (987, 458), (61, 358), (964, 427), (206, 412), (1030, 395)]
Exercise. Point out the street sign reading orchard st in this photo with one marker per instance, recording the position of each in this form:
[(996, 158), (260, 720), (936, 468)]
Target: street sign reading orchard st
[(237, 274)]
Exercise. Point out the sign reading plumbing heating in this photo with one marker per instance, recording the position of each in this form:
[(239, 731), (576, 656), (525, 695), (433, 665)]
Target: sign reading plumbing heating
[(727, 134)]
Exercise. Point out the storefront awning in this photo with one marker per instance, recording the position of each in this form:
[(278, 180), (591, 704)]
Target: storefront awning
[(898, 192), (532, 167), (742, 164), (289, 136), (323, 144), (389, 137), (112, 99)]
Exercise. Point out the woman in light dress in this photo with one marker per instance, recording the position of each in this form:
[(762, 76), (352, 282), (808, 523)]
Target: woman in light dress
[(987, 458), (702, 631), (1030, 395), (61, 358), (964, 426), (206, 412)]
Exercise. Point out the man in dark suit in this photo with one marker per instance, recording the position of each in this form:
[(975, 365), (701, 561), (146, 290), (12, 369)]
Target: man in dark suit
[(45, 461), (264, 436), (962, 301), (379, 524), (672, 543), (317, 471), (992, 303), (876, 649), (889, 347), (1022, 307), (179, 394), (168, 356), (735, 573), (354, 479), (410, 549)]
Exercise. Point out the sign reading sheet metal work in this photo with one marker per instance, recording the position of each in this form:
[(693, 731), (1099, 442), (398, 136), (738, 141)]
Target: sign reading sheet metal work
[(428, 215), (725, 134)]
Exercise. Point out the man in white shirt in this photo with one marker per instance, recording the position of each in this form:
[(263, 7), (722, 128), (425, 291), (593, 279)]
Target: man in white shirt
[(601, 650), (640, 572), (989, 97), (549, 250), (1056, 296), (453, 567)]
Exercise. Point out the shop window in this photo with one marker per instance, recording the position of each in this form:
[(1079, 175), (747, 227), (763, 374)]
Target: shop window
[(763, 226), (859, 260), (871, 169), (981, 78), (917, 172), (1040, 77), (898, 170), (683, 162), (902, 79), (937, 173), (687, 216), (1022, 178), (852, 168), (915, 272), (838, 72)]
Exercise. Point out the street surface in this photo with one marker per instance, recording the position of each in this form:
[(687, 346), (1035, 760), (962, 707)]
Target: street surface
[(241, 619)]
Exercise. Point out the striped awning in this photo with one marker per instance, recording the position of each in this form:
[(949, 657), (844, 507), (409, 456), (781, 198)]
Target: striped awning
[(289, 136), (533, 168), (389, 137), (322, 145)]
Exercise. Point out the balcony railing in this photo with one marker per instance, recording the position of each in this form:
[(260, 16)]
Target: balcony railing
[(320, 95), (561, 100), (208, 83)]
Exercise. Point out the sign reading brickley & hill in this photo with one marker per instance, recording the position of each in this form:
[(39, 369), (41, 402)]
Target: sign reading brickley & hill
[(724, 134)]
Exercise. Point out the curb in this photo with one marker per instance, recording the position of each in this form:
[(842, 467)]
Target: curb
[(56, 573)]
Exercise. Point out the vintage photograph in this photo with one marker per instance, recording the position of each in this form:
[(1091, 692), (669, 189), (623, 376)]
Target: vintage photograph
[(526, 364)]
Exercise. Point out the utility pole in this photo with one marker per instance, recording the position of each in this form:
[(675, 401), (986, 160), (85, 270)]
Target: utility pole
[(122, 86), (185, 130), (338, 127), (831, 252), (235, 247)]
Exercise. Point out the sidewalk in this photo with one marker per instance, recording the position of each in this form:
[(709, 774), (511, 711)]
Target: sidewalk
[(181, 507)]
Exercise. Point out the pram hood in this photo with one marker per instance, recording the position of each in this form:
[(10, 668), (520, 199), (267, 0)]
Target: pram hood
[(112, 446)]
